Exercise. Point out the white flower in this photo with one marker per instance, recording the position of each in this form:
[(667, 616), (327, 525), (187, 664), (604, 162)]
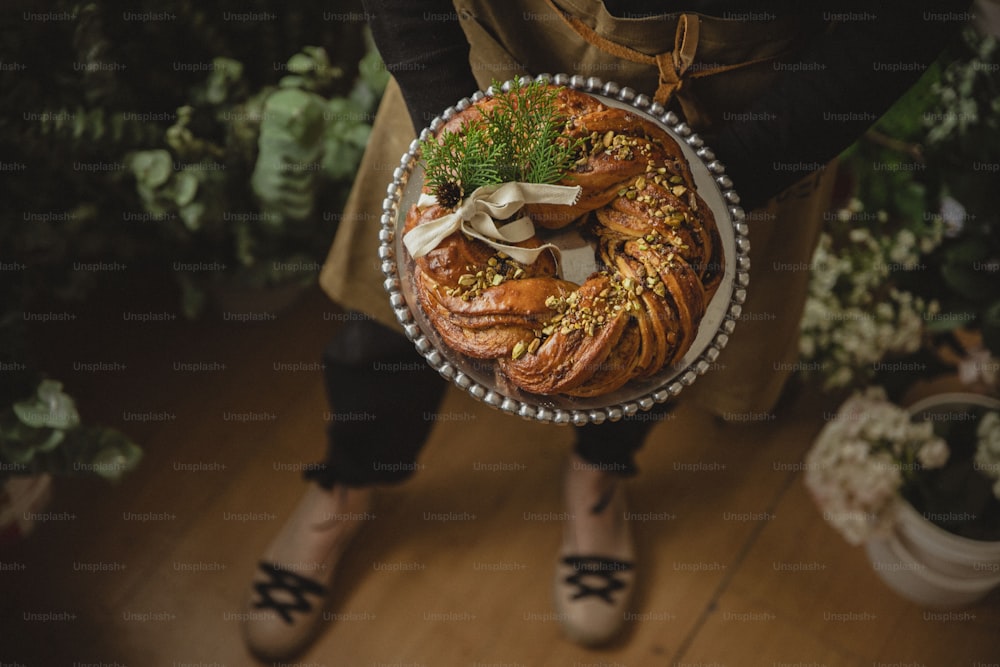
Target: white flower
[(854, 468), (859, 235), (807, 346), (851, 321), (901, 250), (988, 448), (933, 454), (953, 214), (840, 378)]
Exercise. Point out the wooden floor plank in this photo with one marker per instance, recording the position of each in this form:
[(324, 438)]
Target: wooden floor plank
[(727, 539), (742, 633), (802, 570)]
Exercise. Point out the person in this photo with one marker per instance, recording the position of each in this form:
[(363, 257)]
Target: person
[(777, 91)]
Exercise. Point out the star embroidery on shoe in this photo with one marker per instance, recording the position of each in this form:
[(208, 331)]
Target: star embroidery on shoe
[(284, 580), (595, 567)]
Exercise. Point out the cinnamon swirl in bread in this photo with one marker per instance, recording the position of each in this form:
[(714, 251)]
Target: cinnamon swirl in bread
[(656, 245)]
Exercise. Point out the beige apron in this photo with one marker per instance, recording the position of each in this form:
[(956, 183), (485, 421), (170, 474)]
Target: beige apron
[(703, 67)]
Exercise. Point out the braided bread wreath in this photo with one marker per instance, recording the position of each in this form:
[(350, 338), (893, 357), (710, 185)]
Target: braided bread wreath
[(657, 247)]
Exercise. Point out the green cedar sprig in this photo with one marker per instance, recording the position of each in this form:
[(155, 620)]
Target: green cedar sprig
[(519, 139), (459, 163)]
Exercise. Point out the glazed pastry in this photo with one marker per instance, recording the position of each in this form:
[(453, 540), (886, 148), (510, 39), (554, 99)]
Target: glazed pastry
[(656, 245)]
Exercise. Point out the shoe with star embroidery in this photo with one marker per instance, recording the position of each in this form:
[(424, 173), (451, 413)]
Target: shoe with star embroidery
[(290, 589), (595, 575)]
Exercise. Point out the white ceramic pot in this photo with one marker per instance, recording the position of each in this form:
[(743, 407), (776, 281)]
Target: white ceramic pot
[(930, 566), (926, 563)]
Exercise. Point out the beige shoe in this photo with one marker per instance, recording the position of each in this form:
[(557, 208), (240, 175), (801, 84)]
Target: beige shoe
[(595, 576), (290, 590)]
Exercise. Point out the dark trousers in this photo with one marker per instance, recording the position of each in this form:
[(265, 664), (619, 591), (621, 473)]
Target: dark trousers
[(383, 398)]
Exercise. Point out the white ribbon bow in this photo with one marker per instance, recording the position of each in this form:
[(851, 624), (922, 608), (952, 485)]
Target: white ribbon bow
[(476, 214)]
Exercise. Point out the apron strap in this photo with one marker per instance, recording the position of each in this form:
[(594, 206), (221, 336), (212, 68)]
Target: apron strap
[(675, 67), (587, 33)]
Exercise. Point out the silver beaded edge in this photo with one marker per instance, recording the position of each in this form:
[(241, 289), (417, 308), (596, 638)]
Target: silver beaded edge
[(390, 267)]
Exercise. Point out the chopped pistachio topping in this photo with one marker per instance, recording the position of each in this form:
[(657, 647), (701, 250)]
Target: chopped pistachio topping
[(499, 268), (574, 315)]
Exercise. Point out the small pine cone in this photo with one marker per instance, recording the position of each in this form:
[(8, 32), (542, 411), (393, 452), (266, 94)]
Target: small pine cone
[(449, 194)]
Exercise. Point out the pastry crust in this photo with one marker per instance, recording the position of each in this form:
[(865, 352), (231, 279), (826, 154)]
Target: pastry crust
[(656, 242)]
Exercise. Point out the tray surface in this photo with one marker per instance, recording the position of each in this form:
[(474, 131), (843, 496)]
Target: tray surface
[(479, 377)]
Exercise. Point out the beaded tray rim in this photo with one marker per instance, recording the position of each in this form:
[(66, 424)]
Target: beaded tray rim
[(541, 408)]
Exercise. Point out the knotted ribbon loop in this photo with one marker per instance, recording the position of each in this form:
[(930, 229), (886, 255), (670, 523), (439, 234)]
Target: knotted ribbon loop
[(477, 214), (674, 65), (676, 68)]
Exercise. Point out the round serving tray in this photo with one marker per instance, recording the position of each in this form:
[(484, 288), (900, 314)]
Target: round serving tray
[(479, 377)]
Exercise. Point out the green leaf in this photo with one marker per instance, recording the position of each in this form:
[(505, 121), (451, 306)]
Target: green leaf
[(50, 409), (192, 214), (966, 252), (373, 73), (16, 451), (363, 96), (152, 168), (52, 440), (116, 456), (358, 135), (909, 201), (193, 297), (300, 63), (341, 159), (968, 282), (949, 321), (292, 81), (246, 246), (20, 443), (297, 111), (228, 68), (186, 188), (991, 328), (225, 75)]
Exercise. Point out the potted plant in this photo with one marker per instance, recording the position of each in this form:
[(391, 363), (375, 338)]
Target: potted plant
[(41, 436), (904, 279), (918, 487), (861, 315), (187, 147), (247, 183)]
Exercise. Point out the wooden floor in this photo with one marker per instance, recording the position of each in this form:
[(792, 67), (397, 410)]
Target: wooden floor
[(737, 566)]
